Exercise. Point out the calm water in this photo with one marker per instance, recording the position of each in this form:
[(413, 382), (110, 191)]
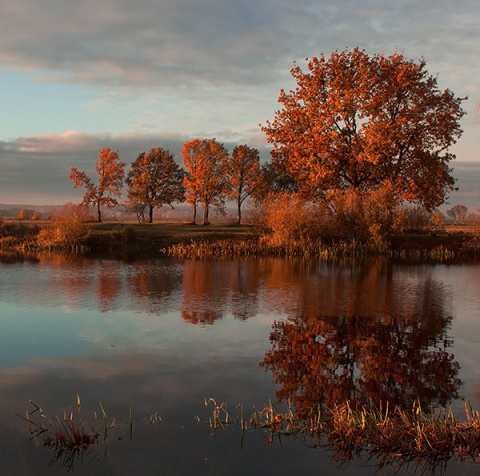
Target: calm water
[(160, 336)]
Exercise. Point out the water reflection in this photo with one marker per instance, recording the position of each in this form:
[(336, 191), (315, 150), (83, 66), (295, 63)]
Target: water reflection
[(122, 332), (363, 331), (211, 289), (330, 359)]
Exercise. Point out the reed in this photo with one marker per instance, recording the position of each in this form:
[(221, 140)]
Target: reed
[(69, 436), (389, 436), (220, 417), (306, 248), (234, 248)]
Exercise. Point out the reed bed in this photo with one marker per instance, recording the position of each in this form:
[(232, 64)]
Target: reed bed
[(260, 247), (387, 436)]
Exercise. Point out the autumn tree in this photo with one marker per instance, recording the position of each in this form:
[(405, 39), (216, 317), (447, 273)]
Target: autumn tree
[(206, 180), (437, 218), (245, 175), (274, 179), (356, 121), (154, 180), (111, 173), (22, 215)]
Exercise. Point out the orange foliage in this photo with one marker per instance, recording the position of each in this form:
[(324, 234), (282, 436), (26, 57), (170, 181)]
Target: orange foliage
[(206, 182), (110, 172), (245, 174), (356, 121), (68, 228), (288, 219), (155, 180)]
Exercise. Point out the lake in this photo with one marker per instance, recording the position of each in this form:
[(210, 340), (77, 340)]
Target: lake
[(147, 342)]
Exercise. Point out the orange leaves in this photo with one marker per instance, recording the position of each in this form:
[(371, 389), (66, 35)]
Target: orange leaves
[(110, 180), (206, 163), (155, 180), (245, 176), (356, 120)]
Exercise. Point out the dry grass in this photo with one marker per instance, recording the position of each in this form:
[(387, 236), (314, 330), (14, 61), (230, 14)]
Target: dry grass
[(386, 436), (68, 437)]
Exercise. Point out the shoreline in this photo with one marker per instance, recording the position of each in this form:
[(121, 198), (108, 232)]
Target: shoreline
[(186, 240)]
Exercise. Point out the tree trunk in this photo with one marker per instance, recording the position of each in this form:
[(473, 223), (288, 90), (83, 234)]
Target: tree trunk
[(150, 214), (205, 215), (239, 204), (194, 222), (99, 213)]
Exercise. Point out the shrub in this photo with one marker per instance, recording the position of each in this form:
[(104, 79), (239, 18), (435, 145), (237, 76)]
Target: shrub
[(67, 229), (366, 216), (412, 218), (286, 218)]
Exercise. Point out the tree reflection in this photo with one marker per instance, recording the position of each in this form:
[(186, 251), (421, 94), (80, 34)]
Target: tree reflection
[(213, 288), (203, 299), (329, 359)]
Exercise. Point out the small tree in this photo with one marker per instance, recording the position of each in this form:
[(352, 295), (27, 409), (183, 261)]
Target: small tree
[(155, 180), (137, 208), (288, 220), (458, 212), (111, 173), (437, 218), (22, 215), (413, 218), (244, 175), (206, 180)]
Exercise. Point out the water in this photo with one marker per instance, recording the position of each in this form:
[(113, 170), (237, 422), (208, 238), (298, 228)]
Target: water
[(160, 336)]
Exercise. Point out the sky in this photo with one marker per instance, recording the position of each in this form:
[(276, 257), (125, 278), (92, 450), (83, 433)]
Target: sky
[(77, 76)]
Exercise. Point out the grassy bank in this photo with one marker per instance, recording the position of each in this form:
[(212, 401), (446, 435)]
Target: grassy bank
[(220, 240), (223, 241)]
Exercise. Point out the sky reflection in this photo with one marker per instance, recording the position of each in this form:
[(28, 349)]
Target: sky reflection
[(161, 336)]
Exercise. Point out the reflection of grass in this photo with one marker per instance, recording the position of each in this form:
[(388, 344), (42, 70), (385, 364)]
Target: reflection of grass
[(388, 436)]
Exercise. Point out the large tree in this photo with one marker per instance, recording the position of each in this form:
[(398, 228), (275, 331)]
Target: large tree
[(154, 180), (206, 181), (110, 172), (359, 121), (245, 175)]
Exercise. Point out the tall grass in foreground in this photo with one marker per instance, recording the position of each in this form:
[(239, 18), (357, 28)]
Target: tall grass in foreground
[(387, 436), (383, 435)]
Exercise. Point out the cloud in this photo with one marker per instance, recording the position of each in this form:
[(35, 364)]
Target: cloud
[(120, 42), (186, 44)]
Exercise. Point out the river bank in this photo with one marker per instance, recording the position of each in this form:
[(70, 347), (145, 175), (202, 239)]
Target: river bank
[(188, 240)]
